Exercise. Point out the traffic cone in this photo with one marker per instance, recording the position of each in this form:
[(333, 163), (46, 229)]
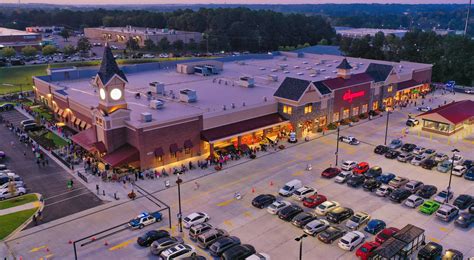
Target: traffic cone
[(253, 190), (106, 243), (47, 250), (93, 238), (70, 242), (271, 183)]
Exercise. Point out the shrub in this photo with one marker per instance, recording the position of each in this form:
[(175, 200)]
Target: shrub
[(320, 129), (363, 116), (345, 121), (332, 126), (354, 119)]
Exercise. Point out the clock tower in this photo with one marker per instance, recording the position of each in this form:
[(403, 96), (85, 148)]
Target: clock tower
[(111, 82)]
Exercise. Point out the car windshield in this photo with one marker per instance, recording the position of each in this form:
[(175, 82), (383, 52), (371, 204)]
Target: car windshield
[(187, 219), (383, 235), (308, 199), (342, 174), (442, 194), (364, 249), (297, 192), (286, 187), (322, 206), (356, 219), (344, 241)]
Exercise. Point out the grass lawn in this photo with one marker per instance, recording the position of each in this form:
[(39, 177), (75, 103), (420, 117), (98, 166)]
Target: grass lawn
[(12, 221), (44, 112), (58, 141), (14, 79), (17, 201)]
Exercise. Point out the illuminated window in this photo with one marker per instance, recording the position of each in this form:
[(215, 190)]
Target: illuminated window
[(364, 108), (173, 155), (187, 150), (355, 111), (308, 108), (287, 109), (322, 121), (335, 117), (345, 113), (375, 105), (159, 158), (390, 88)]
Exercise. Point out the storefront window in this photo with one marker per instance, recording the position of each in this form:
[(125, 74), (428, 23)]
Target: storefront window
[(322, 121), (159, 158), (308, 108), (345, 113), (355, 111), (335, 117), (187, 150), (287, 110), (364, 108), (173, 155), (375, 105), (437, 126), (390, 89)]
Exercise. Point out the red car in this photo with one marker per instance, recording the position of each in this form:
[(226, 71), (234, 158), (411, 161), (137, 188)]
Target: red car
[(331, 172), (367, 250), (314, 200), (386, 234), (361, 168)]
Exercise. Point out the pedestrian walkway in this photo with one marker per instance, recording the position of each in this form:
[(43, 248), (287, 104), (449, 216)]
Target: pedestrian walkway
[(31, 205)]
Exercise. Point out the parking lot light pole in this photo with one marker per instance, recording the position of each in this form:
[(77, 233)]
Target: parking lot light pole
[(180, 215), (451, 173), (337, 146), (300, 239), (386, 127)]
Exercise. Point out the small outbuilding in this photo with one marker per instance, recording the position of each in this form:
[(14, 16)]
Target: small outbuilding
[(448, 119)]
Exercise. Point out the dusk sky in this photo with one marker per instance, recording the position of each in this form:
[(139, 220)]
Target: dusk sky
[(234, 1)]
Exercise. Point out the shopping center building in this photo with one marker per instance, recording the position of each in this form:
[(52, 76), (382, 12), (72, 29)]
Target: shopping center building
[(150, 115), (448, 119)]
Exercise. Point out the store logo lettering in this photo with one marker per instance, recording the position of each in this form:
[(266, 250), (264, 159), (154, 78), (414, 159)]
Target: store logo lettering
[(349, 96)]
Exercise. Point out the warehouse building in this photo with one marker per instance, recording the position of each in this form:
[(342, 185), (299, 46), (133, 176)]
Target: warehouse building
[(17, 39)]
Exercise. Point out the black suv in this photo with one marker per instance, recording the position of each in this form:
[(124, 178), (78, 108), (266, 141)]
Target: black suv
[(331, 234), (371, 185), (373, 172), (392, 154), (399, 195), (339, 214), (302, 219), (381, 149), (289, 212), (430, 251), (151, 236), (355, 180), (238, 252), (263, 200), (428, 164), (222, 244), (407, 147), (427, 191), (463, 201)]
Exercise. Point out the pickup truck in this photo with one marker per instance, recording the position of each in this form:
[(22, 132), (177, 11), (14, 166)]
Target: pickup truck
[(145, 219)]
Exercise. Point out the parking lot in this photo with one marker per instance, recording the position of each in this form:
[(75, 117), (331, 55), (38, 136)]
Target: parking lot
[(50, 181), (267, 174)]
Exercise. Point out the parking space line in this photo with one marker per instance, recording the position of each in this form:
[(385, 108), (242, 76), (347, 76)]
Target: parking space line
[(228, 223), (248, 214), (443, 229), (123, 244), (225, 203), (434, 239), (297, 173), (56, 202), (35, 249)]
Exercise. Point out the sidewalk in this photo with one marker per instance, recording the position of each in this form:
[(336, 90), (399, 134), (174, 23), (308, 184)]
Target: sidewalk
[(31, 205)]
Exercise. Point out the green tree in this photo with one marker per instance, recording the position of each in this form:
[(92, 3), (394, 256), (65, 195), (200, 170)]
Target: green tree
[(65, 34), (132, 44), (69, 49), (178, 45), (149, 44), (323, 42), (164, 44), (29, 51), (83, 45), (192, 45), (49, 50), (8, 52)]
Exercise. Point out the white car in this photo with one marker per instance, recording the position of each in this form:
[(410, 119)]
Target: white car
[(276, 206), (351, 240), (325, 207), (258, 256), (349, 139), (342, 177), (459, 170), (458, 159), (429, 153), (303, 192), (384, 190), (316, 226), (178, 252), (5, 193), (148, 56), (417, 160), (441, 196), (348, 165), (195, 218), (441, 157), (414, 201), (419, 150), (424, 109)]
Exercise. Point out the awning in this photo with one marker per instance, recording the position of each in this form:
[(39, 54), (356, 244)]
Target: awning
[(60, 112), (56, 109), (86, 139), (408, 84), (78, 122), (174, 148), (88, 126), (244, 148), (100, 147), (188, 144), (227, 131), (73, 119), (124, 155), (83, 124), (159, 152)]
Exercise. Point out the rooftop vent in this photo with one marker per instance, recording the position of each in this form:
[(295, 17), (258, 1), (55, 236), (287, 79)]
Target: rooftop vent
[(313, 75), (296, 67), (187, 95), (273, 77), (300, 73), (156, 104), (305, 62), (232, 105), (262, 68), (274, 70), (247, 82), (157, 87), (146, 117), (286, 71)]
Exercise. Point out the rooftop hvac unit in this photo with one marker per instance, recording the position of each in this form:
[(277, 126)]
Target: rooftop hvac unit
[(305, 62), (300, 73), (296, 67), (187, 95), (212, 69), (156, 104), (273, 77), (247, 82), (274, 70), (286, 71), (262, 68), (322, 70), (283, 66), (308, 68), (329, 65), (146, 117), (323, 61), (313, 75), (157, 87)]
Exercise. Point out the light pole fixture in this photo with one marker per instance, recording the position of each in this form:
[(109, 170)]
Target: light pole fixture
[(300, 239), (386, 127), (180, 215), (451, 173), (337, 146)]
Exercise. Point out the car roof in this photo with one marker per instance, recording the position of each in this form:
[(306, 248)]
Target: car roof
[(195, 214), (361, 213)]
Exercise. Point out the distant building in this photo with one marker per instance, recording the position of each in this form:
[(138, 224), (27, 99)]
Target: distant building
[(321, 49), (18, 39), (45, 29), (362, 32), (122, 34)]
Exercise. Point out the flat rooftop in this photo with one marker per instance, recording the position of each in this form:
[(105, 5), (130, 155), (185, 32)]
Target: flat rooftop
[(369, 31), (141, 30), (12, 32), (216, 91)]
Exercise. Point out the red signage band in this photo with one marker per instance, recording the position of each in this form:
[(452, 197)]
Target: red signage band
[(349, 96)]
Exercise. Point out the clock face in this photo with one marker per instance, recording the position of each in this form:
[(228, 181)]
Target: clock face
[(102, 93), (116, 94)]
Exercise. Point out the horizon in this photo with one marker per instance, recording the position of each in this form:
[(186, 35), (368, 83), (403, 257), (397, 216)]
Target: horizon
[(233, 2)]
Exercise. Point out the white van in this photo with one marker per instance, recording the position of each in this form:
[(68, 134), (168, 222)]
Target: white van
[(290, 187)]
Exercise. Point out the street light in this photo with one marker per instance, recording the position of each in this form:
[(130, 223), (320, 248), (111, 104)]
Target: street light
[(300, 239), (451, 173), (386, 126), (180, 215), (337, 146)]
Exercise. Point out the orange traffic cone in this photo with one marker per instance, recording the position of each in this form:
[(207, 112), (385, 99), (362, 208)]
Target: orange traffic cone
[(253, 190), (271, 183), (93, 238), (70, 242)]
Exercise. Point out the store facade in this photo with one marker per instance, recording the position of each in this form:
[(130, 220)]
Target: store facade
[(448, 119)]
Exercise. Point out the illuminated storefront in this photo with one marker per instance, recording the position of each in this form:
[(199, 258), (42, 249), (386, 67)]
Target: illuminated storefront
[(410, 89), (448, 119)]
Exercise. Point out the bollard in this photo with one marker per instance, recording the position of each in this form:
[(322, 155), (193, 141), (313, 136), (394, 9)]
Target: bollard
[(103, 192)]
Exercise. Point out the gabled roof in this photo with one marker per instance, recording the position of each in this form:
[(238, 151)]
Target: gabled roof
[(108, 67), (292, 88), (321, 87), (455, 112), (355, 79), (379, 72), (344, 65), (407, 84)]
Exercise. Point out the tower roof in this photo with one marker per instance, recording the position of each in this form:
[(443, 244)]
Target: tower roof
[(344, 65), (109, 67)]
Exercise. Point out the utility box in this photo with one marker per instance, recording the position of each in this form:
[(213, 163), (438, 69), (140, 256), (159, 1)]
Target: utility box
[(187, 95), (146, 117), (247, 82), (156, 104), (157, 87)]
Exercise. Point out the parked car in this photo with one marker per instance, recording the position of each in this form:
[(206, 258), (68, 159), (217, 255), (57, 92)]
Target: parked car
[(447, 212), (373, 172), (399, 195), (206, 239), (440, 157), (374, 226), (459, 170), (349, 139), (429, 153), (361, 168), (303, 192), (238, 252), (326, 207), (386, 177), (384, 190), (457, 159), (316, 226), (429, 207), (408, 148), (392, 154), (164, 243), (263, 200), (465, 219), (413, 186), (463, 201), (367, 250), (359, 219), (355, 180), (430, 251), (339, 214), (424, 108), (151, 236), (276, 206), (371, 185), (195, 218), (452, 254), (198, 229), (381, 149), (414, 201), (444, 166), (258, 256), (468, 163), (351, 240), (6, 194), (289, 212), (395, 144), (177, 252), (405, 157), (398, 182), (419, 150), (348, 165), (290, 187), (314, 200), (443, 196), (385, 234), (302, 219), (342, 177), (427, 191), (330, 172), (469, 174), (417, 160), (331, 234), (222, 244), (428, 164)]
